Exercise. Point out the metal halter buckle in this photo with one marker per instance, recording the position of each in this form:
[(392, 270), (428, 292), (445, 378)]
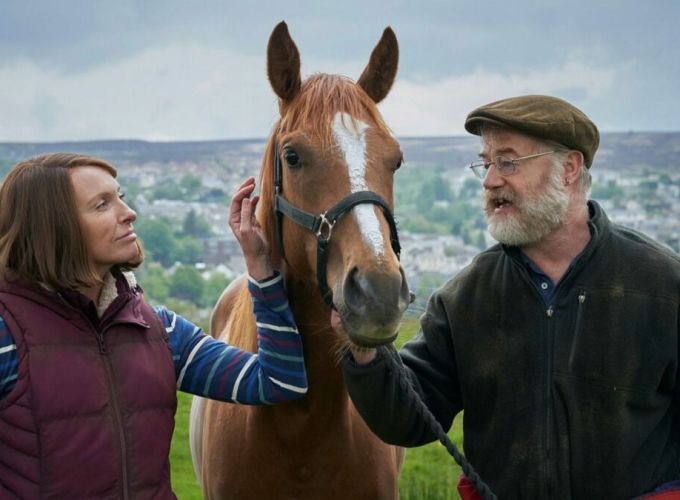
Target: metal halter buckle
[(325, 228)]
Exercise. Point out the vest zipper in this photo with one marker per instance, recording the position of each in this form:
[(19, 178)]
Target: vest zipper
[(102, 345), (117, 422), (118, 425)]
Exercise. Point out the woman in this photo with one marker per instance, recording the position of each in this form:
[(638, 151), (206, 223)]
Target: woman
[(88, 370)]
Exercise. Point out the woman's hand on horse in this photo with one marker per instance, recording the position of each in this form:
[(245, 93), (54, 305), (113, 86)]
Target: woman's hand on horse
[(248, 231)]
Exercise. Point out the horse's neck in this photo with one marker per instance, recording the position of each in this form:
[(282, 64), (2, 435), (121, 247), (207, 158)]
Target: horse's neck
[(326, 404), (321, 344)]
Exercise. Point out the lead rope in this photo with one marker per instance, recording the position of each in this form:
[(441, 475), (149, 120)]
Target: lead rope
[(435, 426)]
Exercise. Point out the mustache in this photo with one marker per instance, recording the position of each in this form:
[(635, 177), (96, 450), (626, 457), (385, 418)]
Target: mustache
[(491, 196)]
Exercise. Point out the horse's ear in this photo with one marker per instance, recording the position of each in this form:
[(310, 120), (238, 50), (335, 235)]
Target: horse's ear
[(283, 63), (379, 75)]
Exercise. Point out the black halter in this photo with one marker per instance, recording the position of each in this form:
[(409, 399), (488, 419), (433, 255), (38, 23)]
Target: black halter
[(322, 225)]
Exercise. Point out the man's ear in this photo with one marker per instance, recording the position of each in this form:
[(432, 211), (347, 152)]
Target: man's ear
[(573, 163)]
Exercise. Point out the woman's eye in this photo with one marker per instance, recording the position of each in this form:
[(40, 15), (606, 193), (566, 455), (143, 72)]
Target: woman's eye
[(291, 157)]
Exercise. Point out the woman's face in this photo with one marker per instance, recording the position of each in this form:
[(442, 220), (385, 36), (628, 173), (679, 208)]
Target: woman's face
[(105, 219)]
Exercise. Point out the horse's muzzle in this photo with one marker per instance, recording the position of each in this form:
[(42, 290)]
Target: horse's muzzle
[(374, 303)]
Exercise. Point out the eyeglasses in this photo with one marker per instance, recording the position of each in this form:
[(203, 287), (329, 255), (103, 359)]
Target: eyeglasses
[(505, 165)]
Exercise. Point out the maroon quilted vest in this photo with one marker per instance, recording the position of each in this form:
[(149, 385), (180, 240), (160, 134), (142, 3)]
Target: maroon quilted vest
[(92, 413)]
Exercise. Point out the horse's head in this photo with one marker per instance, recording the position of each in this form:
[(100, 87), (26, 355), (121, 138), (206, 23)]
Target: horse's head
[(333, 159)]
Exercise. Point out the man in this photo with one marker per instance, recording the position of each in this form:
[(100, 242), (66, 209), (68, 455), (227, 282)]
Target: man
[(560, 343)]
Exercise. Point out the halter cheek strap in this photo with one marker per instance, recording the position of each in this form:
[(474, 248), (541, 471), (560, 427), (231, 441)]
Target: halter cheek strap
[(322, 225)]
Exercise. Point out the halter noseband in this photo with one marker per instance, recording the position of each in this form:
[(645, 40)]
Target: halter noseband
[(322, 225)]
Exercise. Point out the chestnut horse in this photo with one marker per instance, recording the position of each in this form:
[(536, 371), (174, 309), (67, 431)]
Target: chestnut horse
[(330, 144)]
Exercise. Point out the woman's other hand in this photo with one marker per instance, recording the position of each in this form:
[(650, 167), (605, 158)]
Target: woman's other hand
[(248, 231)]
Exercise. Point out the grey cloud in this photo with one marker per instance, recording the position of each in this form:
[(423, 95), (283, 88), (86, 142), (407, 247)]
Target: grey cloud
[(68, 41)]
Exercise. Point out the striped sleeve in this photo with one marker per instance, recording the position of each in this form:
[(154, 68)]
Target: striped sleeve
[(211, 368), (9, 362)]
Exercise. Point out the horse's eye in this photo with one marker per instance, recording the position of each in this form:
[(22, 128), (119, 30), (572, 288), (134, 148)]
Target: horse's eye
[(291, 157), (399, 163)]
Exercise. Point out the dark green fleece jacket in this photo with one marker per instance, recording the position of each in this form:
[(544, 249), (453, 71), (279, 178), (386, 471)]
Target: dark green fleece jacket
[(576, 401)]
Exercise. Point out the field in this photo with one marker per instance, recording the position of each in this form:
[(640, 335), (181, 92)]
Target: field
[(429, 472)]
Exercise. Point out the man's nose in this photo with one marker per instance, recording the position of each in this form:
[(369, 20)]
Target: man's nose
[(493, 178)]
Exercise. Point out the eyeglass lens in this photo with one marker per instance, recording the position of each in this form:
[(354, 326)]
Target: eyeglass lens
[(504, 165)]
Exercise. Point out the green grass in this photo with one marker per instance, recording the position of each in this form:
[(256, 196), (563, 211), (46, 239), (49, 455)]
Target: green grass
[(182, 471), (429, 472)]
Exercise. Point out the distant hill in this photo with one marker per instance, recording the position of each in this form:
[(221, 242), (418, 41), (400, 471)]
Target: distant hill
[(135, 151), (660, 150)]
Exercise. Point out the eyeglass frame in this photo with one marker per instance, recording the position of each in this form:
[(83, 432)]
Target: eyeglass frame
[(475, 165)]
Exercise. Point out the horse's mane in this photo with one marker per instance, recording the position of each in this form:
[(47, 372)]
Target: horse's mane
[(320, 98)]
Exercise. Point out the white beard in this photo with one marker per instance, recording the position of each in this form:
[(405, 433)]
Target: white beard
[(537, 214)]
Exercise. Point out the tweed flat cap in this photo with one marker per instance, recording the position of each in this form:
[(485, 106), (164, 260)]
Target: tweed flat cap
[(540, 116)]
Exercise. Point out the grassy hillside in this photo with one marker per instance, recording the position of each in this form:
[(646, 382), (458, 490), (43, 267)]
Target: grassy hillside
[(429, 473)]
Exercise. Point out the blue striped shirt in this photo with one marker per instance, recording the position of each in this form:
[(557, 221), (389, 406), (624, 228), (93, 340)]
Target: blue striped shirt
[(214, 369)]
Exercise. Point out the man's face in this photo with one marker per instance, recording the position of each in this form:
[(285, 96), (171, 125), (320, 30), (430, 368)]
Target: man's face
[(526, 206)]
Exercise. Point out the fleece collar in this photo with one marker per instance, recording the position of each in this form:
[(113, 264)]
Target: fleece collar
[(113, 287)]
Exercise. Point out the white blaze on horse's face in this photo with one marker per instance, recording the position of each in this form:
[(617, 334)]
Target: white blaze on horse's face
[(350, 136)]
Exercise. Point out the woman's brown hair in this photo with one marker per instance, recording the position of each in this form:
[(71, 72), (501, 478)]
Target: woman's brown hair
[(40, 236)]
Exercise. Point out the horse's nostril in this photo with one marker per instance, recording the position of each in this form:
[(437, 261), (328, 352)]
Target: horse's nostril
[(354, 292), (378, 295), (406, 296)]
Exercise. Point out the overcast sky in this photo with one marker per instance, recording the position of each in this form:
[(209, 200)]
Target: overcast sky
[(195, 70)]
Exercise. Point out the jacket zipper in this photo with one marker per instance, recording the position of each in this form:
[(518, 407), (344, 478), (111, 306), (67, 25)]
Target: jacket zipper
[(550, 312), (116, 412)]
